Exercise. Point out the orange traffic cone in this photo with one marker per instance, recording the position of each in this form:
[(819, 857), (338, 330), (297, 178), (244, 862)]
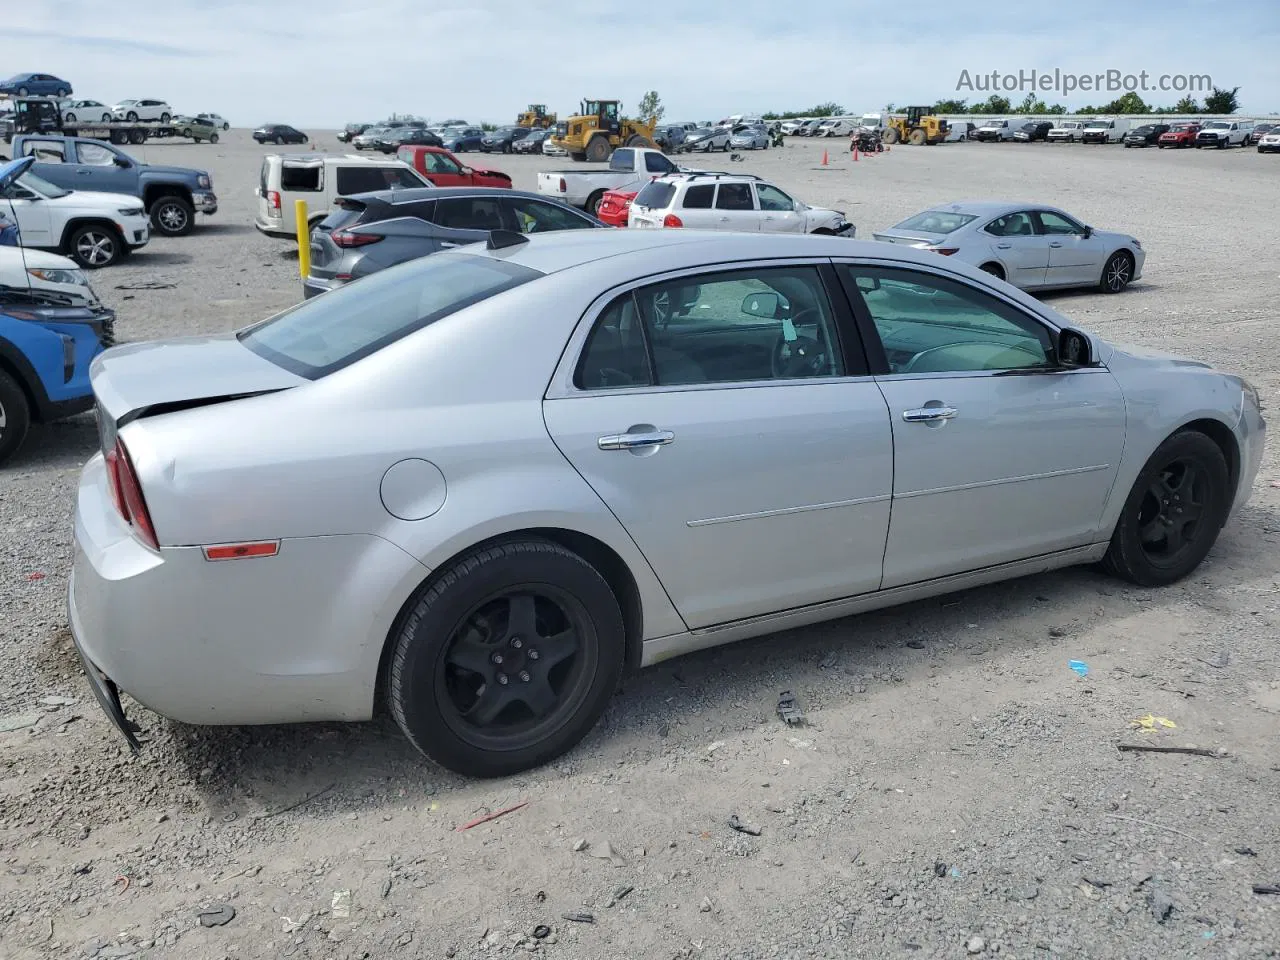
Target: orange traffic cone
[(855, 154), (824, 158)]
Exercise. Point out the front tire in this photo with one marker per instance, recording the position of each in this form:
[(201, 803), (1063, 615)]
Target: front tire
[(598, 150), (95, 246), (68, 118), (173, 216), (165, 118), (131, 116), (507, 659), (15, 416), (1117, 272), (23, 91), (1173, 514)]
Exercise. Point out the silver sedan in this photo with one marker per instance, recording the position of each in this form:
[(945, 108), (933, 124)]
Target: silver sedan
[(1032, 246), (481, 484), (749, 138), (704, 140)]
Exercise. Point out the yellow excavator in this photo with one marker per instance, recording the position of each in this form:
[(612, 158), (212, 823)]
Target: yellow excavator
[(536, 116), (598, 129), (918, 127)]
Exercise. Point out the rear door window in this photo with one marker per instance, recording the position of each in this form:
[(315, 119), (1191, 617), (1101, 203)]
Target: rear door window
[(469, 213), (699, 197), (538, 216), (302, 177), (734, 196)]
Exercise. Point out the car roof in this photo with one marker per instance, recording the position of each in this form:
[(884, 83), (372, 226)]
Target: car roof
[(989, 208), (416, 194), (354, 158)]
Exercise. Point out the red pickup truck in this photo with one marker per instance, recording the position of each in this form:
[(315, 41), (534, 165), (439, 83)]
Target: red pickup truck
[(1179, 135), (445, 170)]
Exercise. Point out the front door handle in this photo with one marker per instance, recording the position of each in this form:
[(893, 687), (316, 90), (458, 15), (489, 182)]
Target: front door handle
[(1055, 243), (629, 441), (925, 414), (1003, 246), (82, 173)]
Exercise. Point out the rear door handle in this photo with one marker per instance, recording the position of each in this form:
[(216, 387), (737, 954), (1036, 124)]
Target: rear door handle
[(925, 414), (1003, 246), (629, 441), (82, 173), (1055, 243), (447, 243)]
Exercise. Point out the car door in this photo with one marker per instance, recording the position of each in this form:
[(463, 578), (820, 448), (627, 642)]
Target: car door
[(1013, 241), (467, 220), (526, 215), (1074, 259), (697, 206), (444, 171), (750, 461), (999, 454), (96, 169), (735, 208), (777, 210), (33, 214), (52, 160)]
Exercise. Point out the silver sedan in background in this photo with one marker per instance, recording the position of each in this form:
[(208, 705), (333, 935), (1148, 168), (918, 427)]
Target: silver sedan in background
[(704, 140), (480, 484), (749, 138), (1032, 246)]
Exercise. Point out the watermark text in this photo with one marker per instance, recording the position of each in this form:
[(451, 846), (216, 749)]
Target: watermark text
[(1064, 83)]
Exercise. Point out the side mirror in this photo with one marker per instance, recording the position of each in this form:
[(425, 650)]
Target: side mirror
[(1074, 349), (797, 206), (1088, 232), (122, 162), (763, 305)]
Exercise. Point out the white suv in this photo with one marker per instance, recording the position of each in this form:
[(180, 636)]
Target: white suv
[(723, 201), (132, 110), (93, 229)]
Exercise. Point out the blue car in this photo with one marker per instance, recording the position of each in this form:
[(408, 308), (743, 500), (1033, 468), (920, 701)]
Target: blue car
[(463, 141), (46, 347), (35, 85)]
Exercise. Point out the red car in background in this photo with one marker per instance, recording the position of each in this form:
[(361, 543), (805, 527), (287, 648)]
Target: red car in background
[(445, 170), (1179, 135), (615, 205)]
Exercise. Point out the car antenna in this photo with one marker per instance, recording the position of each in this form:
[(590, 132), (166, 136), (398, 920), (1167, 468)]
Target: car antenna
[(501, 239)]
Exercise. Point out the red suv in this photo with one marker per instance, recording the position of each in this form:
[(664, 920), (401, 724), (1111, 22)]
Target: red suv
[(1179, 135)]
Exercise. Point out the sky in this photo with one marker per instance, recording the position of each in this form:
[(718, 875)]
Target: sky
[(323, 63)]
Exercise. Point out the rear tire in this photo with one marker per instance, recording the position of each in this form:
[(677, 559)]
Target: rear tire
[(131, 116), (484, 632), (994, 269), (165, 118), (593, 203), (68, 118), (1186, 473), (213, 138), (22, 91), (917, 138), (15, 416), (599, 150)]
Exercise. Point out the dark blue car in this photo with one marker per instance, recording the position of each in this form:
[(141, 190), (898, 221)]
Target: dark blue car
[(35, 85), (46, 347), (463, 141)]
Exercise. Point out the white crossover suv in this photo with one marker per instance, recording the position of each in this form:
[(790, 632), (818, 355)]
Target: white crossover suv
[(722, 201)]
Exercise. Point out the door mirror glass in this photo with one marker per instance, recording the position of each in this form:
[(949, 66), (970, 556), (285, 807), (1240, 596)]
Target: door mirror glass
[(122, 162), (761, 305), (1074, 349)]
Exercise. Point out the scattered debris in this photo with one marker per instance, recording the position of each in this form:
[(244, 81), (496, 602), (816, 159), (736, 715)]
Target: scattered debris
[(147, 285), (18, 721), (218, 916), (294, 806), (1097, 882), (492, 816), (340, 905), (1151, 748), (939, 869), (1272, 889), (1148, 823), (1246, 851), (605, 851), (915, 644), (579, 917), (541, 932), (1079, 666), (1160, 903), (976, 945), (58, 701), (1150, 722), (289, 925), (1219, 661), (580, 844), (619, 893), (789, 709)]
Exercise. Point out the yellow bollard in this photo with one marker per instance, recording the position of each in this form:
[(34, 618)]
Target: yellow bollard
[(304, 237)]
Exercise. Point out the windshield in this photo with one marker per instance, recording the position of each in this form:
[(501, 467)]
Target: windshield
[(1218, 125), (42, 186), (936, 221), (325, 334)]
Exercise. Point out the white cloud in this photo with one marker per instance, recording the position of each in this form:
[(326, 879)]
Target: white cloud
[(324, 62)]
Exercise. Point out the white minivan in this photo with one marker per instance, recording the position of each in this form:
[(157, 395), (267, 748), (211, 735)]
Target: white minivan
[(1105, 130), (318, 179), (837, 127)]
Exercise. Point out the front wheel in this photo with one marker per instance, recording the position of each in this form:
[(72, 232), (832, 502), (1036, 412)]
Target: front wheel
[(131, 116), (172, 216), (507, 659), (1117, 273), (599, 150), (22, 91), (226, 127), (106, 118), (95, 246), (213, 138), (1173, 514), (15, 416), (164, 118), (68, 118)]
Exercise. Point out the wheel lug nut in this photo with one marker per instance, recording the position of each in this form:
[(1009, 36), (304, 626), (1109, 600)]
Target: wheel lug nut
[(524, 676), (532, 654), (516, 643), (497, 659), (503, 679)]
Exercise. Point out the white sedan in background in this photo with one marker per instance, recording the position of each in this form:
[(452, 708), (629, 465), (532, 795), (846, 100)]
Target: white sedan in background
[(132, 110), (1032, 246)]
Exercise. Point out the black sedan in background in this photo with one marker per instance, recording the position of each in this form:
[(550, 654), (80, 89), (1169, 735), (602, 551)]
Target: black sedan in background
[(1147, 135), (503, 139), (368, 232), (1036, 130), (279, 133), (399, 137)]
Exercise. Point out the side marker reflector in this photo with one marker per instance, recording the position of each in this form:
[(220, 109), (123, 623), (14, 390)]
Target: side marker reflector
[(240, 551)]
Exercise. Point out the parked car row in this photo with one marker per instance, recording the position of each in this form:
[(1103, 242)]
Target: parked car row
[(1182, 133)]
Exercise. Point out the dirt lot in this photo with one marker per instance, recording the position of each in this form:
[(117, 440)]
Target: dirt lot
[(957, 791)]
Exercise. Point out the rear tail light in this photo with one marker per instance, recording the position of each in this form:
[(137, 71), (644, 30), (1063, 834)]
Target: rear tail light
[(346, 239), (564, 187), (273, 199), (671, 220), (126, 493), (945, 251)]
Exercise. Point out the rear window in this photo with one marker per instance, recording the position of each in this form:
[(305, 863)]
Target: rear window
[(301, 177), (935, 221), (332, 331), (368, 179), (699, 197), (655, 195)]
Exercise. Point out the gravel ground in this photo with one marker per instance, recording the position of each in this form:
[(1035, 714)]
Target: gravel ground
[(957, 790)]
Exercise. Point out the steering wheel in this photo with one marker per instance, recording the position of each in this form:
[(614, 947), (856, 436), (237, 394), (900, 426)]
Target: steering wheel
[(803, 356), (969, 356)]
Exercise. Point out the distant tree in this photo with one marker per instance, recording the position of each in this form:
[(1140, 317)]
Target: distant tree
[(951, 106), (828, 109), (993, 104), (651, 106), (1056, 109), (1222, 101), (1186, 105), (1030, 104)]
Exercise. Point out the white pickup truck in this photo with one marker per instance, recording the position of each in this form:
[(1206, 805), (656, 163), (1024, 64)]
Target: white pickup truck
[(584, 188)]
